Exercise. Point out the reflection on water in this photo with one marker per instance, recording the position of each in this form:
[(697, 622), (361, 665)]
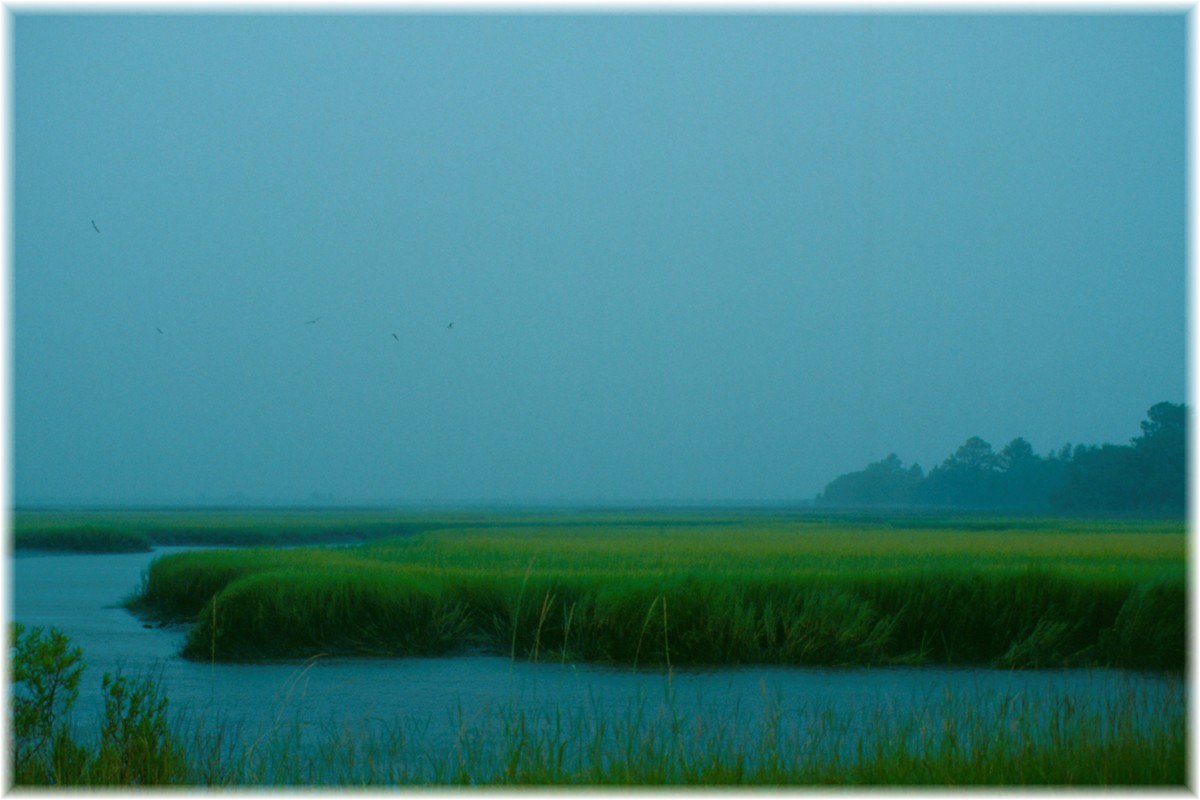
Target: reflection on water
[(80, 595)]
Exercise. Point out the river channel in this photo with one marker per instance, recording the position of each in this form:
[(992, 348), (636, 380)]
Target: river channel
[(81, 596)]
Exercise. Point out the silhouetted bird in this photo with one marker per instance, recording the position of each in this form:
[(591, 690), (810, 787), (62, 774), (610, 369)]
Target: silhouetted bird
[(94, 226), (158, 329), (311, 321), (394, 336), (451, 325)]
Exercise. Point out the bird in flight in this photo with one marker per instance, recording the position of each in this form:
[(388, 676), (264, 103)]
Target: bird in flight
[(311, 321), (158, 329), (394, 336), (451, 325), (94, 226)]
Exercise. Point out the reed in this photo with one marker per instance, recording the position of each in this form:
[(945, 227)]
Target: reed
[(289, 614), (770, 592), (1073, 740)]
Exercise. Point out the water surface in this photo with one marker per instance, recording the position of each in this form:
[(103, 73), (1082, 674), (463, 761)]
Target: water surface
[(81, 595)]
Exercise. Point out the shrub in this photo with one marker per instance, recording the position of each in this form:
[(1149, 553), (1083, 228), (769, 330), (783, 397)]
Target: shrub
[(45, 677), (136, 746)]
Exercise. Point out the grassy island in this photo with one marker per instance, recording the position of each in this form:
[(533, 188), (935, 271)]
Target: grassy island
[(81, 539), (719, 588)]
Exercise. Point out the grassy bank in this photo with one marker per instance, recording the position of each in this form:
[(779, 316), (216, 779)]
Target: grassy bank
[(227, 528), (289, 527), (1069, 742), (754, 589), (81, 539)]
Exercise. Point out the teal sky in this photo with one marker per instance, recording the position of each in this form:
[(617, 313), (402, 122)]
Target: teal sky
[(705, 258)]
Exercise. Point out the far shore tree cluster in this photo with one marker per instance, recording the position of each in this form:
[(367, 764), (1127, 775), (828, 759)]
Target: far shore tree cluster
[(1148, 475)]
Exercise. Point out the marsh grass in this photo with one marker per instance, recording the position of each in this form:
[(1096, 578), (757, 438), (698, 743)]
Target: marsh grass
[(220, 527), (948, 740), (768, 591), (1133, 734), (81, 539), (670, 590), (229, 527), (286, 614)]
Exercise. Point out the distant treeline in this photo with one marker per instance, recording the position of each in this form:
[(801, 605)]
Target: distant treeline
[(1149, 475)]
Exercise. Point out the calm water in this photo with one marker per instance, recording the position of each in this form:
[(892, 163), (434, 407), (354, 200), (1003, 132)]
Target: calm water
[(80, 595)]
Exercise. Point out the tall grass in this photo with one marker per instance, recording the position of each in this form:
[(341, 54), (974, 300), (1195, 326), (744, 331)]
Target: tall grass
[(949, 740), (365, 613), (779, 591)]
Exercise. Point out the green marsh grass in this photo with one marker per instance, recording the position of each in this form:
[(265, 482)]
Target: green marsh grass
[(949, 740), (229, 528), (720, 590), (81, 539), (303, 526)]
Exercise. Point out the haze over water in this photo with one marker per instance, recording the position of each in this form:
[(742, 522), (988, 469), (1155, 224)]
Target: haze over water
[(710, 258)]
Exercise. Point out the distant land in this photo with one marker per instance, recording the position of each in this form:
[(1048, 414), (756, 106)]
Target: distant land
[(1146, 476)]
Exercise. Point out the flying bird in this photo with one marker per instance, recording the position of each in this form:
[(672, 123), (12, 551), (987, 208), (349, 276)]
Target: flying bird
[(451, 325), (94, 226), (311, 321), (158, 329), (394, 336)]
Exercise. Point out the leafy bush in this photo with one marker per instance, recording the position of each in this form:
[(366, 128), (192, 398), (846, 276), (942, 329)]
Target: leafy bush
[(136, 746), (45, 677)]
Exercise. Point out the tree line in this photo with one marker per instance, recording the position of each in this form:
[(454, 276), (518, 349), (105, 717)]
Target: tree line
[(1148, 475)]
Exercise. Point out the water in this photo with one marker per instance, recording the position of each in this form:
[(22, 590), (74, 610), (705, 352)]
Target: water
[(80, 595)]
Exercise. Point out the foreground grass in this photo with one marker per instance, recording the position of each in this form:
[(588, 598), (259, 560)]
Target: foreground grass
[(942, 744), (950, 741), (702, 590), (1134, 735)]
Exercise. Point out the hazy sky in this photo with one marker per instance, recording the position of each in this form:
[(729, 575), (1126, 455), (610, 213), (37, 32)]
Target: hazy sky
[(687, 257)]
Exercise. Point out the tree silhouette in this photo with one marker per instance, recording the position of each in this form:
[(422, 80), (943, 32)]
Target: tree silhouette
[(1149, 475), (883, 483), (969, 478)]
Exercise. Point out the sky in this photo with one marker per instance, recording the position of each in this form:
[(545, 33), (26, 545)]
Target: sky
[(568, 258)]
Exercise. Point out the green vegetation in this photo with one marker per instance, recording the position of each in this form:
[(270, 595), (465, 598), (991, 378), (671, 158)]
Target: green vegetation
[(1127, 739), (81, 539), (1149, 475), (721, 589), (126, 530), (109, 530), (45, 675), (949, 741), (135, 744)]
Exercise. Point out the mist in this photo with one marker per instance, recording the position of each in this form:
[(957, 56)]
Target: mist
[(582, 258)]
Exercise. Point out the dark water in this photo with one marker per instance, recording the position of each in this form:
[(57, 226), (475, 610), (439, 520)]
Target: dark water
[(80, 595)]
